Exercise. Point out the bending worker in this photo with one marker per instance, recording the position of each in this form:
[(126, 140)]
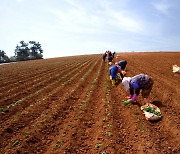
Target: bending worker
[(110, 56), (114, 71), (105, 55), (135, 84), (122, 63)]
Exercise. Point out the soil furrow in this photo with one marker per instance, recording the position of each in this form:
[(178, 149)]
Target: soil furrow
[(53, 116)]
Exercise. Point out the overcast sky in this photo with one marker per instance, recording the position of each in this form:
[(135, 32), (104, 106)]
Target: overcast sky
[(75, 27)]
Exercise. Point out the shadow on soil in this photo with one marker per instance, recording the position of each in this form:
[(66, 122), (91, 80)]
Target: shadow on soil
[(158, 104), (137, 104)]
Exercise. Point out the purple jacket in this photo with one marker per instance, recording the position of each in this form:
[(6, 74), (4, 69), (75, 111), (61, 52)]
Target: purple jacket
[(137, 83)]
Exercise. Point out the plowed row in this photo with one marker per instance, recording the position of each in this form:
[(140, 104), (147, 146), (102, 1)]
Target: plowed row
[(67, 105)]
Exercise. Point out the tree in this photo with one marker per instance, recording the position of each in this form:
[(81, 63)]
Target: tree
[(3, 57), (22, 52), (2, 53), (36, 50), (27, 51)]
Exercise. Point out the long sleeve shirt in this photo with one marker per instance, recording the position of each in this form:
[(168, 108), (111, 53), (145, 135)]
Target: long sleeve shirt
[(113, 70), (137, 83)]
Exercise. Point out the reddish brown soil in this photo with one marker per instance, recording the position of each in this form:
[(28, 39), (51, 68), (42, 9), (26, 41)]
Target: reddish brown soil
[(67, 105)]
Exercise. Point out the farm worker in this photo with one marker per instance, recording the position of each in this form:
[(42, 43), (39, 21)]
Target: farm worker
[(136, 83), (113, 54), (110, 56), (114, 71), (105, 55), (122, 63)]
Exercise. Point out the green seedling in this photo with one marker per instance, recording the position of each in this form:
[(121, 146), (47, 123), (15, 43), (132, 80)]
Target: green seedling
[(8, 107), (84, 101), (81, 107), (109, 126), (63, 134), (59, 143), (100, 127), (15, 143), (140, 124), (106, 85), (109, 114), (124, 103), (26, 133), (34, 126), (74, 120), (108, 133), (137, 118), (45, 116), (42, 121), (98, 145), (1, 109), (77, 115), (136, 112), (105, 120), (144, 130)]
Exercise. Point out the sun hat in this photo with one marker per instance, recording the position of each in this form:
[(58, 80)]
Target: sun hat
[(125, 82)]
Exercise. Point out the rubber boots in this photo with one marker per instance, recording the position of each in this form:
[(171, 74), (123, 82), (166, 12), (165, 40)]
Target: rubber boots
[(113, 82)]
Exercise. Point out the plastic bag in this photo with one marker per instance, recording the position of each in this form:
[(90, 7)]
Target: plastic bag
[(176, 69)]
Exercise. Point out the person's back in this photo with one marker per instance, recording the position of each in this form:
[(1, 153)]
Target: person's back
[(104, 56), (122, 63), (113, 54), (141, 80), (110, 56)]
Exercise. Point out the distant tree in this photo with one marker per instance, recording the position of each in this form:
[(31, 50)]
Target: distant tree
[(2, 53), (3, 57), (36, 50), (22, 51), (27, 51), (13, 59)]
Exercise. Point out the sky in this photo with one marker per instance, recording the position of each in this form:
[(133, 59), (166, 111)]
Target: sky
[(78, 27)]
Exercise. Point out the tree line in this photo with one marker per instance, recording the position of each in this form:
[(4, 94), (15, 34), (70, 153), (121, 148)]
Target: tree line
[(24, 51)]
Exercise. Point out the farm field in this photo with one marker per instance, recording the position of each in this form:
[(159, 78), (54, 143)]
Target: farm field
[(67, 105)]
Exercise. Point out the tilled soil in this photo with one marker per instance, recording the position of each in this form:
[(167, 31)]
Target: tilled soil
[(67, 105)]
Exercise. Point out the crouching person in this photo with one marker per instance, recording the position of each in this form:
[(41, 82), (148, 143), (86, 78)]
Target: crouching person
[(115, 74), (135, 84), (122, 64)]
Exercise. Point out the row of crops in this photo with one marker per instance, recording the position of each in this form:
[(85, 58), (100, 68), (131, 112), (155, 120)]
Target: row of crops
[(37, 102)]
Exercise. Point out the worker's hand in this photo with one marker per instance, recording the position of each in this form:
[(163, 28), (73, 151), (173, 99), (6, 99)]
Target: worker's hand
[(129, 97), (110, 77)]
